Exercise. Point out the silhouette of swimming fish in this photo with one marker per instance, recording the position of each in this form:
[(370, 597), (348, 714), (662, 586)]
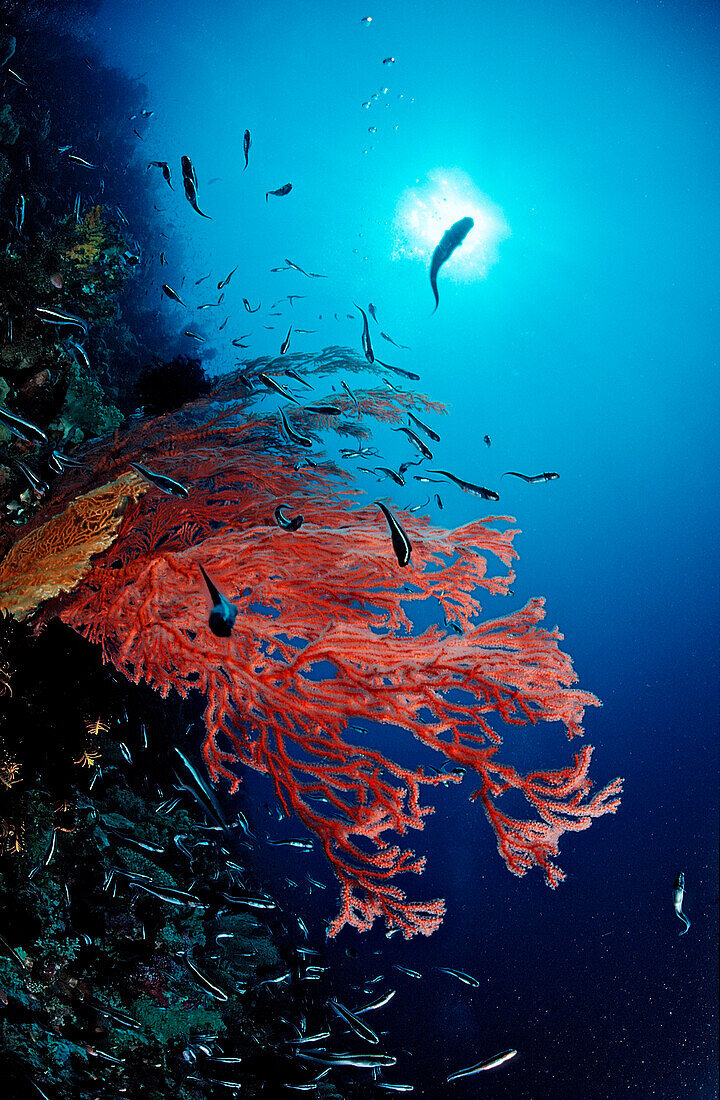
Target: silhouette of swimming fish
[(449, 241)]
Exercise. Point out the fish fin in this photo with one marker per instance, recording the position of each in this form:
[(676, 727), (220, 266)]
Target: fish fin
[(212, 592)]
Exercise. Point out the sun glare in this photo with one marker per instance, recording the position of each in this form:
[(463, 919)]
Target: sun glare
[(426, 210)]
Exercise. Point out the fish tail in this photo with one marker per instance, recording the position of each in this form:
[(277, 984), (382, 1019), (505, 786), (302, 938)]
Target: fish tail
[(687, 923)]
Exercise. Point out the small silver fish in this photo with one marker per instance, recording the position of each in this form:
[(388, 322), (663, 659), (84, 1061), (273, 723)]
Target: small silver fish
[(81, 161), (480, 1067), (276, 386), (38, 486), (468, 487), (59, 317), (24, 429), (226, 280), (165, 484), (293, 436), (460, 975), (172, 294), (406, 970), (360, 1061), (423, 427), (366, 342), (20, 214), (532, 478), (423, 449), (353, 1022), (678, 897), (205, 983)]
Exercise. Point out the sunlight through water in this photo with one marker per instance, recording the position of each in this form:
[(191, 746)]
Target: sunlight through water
[(426, 210)]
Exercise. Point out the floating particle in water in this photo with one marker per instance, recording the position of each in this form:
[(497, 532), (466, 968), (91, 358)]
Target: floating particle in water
[(396, 127), (388, 61), (366, 19), (356, 251), (366, 104), (400, 95), (372, 129)]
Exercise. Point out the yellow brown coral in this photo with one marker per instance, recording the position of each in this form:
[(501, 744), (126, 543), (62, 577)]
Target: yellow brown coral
[(54, 557), (91, 238)]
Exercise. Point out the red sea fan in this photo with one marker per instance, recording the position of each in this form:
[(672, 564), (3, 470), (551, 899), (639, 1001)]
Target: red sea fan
[(324, 641)]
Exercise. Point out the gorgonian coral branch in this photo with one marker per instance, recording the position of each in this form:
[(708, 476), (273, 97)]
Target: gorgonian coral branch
[(324, 641)]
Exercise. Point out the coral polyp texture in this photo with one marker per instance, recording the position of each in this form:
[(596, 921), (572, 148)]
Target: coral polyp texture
[(325, 640)]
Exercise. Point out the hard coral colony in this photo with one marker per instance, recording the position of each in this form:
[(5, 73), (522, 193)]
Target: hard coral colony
[(324, 640)]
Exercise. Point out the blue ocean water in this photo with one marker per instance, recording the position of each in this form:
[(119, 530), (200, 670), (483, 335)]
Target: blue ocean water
[(582, 341)]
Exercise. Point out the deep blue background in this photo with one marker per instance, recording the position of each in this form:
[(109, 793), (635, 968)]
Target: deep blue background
[(590, 349)]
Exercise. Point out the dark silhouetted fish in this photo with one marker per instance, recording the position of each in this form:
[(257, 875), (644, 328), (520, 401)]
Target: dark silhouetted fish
[(449, 241), (295, 437), (532, 478), (165, 484), (366, 344), (285, 522), (188, 172), (468, 487), (398, 370), (167, 176), (191, 196), (296, 267), (226, 280), (424, 427), (390, 340), (414, 438), (401, 543), (298, 377), (247, 142), (322, 410), (284, 190), (222, 613), (172, 294), (273, 385)]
